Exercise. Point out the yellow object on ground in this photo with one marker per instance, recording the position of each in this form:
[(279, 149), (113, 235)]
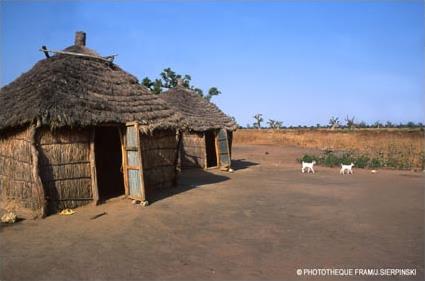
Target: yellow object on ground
[(67, 212), (9, 218)]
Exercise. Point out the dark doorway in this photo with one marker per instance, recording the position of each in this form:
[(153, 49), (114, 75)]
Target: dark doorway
[(110, 180), (210, 149)]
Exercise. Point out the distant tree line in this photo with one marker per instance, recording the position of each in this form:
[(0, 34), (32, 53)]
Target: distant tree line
[(170, 79), (334, 123)]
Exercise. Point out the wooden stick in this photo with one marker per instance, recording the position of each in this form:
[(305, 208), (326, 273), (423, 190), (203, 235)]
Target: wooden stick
[(107, 59), (46, 53), (92, 156)]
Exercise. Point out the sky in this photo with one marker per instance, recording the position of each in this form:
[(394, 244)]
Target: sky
[(299, 62)]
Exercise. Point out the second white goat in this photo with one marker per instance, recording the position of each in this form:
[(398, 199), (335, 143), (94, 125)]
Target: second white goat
[(348, 168), (308, 166)]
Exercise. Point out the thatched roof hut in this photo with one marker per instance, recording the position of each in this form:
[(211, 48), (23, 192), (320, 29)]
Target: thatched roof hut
[(71, 123), (78, 91), (208, 140)]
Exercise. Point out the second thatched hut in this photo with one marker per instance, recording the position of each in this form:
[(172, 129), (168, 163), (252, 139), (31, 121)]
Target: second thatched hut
[(207, 141)]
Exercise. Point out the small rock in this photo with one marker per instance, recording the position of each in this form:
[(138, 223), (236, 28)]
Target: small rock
[(230, 170), (144, 203), (266, 153), (374, 171)]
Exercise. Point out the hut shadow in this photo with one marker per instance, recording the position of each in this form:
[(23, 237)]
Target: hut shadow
[(242, 164), (188, 179), (47, 177)]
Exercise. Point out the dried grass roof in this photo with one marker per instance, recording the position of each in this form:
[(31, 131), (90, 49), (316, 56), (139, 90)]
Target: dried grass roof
[(67, 90), (200, 114)]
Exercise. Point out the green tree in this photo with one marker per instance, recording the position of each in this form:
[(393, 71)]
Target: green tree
[(362, 124), (334, 122), (198, 91), (147, 82), (170, 79), (213, 91), (157, 86), (377, 124), (154, 86), (258, 120), (350, 122), (274, 124), (411, 124)]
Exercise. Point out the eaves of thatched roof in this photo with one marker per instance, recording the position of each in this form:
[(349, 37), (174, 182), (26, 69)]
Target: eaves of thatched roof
[(199, 114), (67, 90)]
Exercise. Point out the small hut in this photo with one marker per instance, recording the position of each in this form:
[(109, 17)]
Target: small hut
[(76, 129), (207, 143)]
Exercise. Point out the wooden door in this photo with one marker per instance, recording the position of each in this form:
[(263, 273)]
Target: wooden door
[(223, 149), (132, 162)]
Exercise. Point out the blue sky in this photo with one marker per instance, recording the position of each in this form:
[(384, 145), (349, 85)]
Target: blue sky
[(300, 62)]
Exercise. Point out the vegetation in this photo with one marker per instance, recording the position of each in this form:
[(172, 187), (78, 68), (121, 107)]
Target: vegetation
[(350, 122), (258, 120), (274, 124), (334, 159), (402, 148), (170, 79), (334, 122)]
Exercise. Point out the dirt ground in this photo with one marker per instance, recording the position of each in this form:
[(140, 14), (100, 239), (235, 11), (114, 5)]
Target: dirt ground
[(262, 222)]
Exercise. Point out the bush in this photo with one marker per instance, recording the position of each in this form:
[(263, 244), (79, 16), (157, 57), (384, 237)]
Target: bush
[(329, 159), (362, 161), (333, 159), (375, 163), (309, 158)]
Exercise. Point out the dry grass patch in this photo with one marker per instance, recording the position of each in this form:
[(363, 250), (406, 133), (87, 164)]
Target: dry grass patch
[(397, 148)]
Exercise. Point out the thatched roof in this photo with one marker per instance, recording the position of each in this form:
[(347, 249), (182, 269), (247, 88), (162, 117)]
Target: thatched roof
[(200, 114), (76, 91)]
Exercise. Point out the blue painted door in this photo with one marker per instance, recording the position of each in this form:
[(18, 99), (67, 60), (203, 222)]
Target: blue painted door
[(133, 163), (223, 149)]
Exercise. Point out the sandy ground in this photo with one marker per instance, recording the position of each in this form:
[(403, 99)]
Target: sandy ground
[(262, 222)]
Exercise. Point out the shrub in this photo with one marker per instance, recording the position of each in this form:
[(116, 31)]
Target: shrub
[(362, 161), (375, 163), (330, 159), (333, 159), (309, 158)]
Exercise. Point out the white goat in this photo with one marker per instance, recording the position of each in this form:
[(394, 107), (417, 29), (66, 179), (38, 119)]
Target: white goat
[(308, 166), (348, 168)]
